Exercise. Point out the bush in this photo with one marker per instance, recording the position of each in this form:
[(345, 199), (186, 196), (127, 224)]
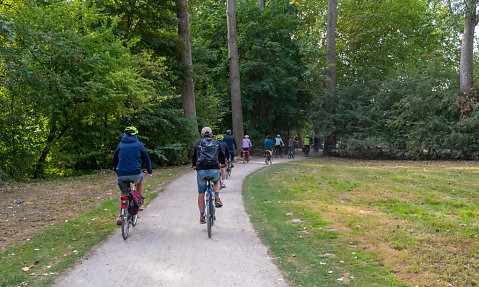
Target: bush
[(3, 176)]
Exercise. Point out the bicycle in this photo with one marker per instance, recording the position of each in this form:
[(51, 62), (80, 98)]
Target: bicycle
[(129, 211), (228, 169), (245, 156), (268, 155), (306, 151), (209, 205), (278, 152), (290, 152)]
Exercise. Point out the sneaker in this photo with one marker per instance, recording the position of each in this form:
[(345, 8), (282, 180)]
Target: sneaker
[(118, 220), (218, 202), (141, 208), (223, 185), (202, 220)]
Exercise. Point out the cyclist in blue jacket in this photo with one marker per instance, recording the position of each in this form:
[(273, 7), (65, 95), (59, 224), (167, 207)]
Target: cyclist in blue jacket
[(230, 141), (127, 160), (268, 144), (224, 148)]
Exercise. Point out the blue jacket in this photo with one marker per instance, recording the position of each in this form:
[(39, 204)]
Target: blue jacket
[(230, 141), (128, 156), (268, 144), (224, 146)]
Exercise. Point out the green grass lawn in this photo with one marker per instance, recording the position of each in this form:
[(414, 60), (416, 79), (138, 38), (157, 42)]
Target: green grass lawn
[(334, 222), (43, 257)]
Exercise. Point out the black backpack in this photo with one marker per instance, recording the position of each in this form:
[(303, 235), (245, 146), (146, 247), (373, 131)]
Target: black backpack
[(208, 152)]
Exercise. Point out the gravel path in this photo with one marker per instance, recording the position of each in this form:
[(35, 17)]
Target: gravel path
[(169, 247)]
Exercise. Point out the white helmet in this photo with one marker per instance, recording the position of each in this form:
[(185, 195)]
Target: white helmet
[(278, 136), (246, 136)]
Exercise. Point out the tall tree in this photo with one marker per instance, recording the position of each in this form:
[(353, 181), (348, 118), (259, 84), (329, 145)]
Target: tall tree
[(236, 106), (184, 48), (330, 103), (467, 50), (260, 3)]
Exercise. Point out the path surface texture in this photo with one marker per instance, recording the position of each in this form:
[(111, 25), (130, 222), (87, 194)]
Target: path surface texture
[(169, 247)]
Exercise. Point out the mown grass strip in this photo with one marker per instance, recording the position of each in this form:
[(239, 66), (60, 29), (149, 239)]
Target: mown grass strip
[(46, 255), (369, 223)]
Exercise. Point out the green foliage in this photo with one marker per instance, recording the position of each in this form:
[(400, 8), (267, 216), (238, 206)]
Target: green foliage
[(416, 114), (271, 66), (3, 176), (397, 83), (166, 133), (69, 82)]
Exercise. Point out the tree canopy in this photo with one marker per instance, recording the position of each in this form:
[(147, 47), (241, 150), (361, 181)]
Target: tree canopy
[(75, 73)]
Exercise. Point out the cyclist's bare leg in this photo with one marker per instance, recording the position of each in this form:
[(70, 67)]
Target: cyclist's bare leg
[(139, 187), (201, 202), (223, 173), (216, 187)]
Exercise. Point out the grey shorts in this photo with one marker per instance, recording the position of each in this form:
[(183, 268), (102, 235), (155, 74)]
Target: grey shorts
[(124, 181)]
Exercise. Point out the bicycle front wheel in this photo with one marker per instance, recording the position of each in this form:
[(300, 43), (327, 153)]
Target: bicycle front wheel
[(134, 220)]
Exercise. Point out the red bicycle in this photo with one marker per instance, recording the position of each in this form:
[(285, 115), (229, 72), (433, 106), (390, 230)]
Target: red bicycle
[(130, 204), (245, 156)]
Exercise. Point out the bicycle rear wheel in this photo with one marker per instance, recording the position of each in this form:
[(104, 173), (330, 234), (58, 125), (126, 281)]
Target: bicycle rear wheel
[(125, 223), (228, 171), (209, 214)]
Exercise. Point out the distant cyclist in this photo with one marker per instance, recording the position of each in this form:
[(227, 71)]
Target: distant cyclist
[(224, 148), (296, 142), (306, 142), (230, 141), (278, 145), (316, 143), (246, 145), (127, 161), (207, 160), (268, 144), (291, 145)]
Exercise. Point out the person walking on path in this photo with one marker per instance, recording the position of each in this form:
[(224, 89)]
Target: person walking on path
[(206, 160), (127, 161)]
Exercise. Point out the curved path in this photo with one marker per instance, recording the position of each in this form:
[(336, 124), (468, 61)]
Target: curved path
[(169, 247)]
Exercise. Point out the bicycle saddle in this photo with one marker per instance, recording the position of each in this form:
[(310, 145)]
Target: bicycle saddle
[(209, 178)]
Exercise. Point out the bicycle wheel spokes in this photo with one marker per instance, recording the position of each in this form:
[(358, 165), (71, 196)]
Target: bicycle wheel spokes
[(125, 224), (209, 214), (134, 220)]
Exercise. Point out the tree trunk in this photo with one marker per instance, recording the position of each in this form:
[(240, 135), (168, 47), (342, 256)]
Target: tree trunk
[(236, 107), (330, 103), (466, 66), (184, 48), (260, 3), (46, 150), (52, 136)]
